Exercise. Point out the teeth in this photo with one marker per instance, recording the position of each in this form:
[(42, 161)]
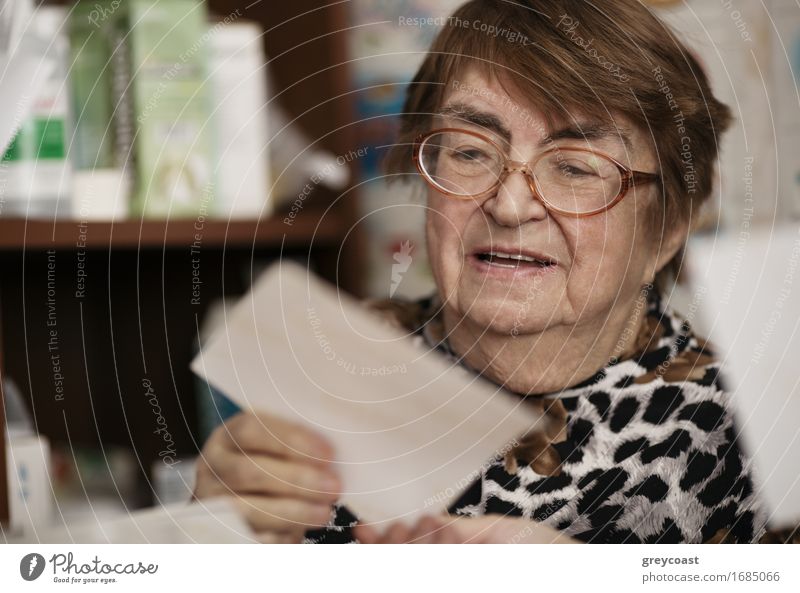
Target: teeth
[(517, 257), (514, 257)]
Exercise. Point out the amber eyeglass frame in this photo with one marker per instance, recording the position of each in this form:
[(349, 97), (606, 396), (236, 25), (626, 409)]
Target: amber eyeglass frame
[(630, 178)]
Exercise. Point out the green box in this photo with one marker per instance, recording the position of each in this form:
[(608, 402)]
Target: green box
[(91, 30), (167, 49)]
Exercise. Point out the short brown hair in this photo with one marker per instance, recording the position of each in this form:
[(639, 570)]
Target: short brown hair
[(600, 58)]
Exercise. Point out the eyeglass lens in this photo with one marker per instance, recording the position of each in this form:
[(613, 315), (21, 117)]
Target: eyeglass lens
[(571, 180)]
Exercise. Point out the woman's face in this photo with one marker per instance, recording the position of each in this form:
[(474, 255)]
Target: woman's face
[(600, 262)]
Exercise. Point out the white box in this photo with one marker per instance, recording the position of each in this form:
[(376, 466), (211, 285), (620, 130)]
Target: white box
[(238, 78), (30, 494)]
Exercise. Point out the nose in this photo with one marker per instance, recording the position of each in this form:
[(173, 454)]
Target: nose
[(514, 203)]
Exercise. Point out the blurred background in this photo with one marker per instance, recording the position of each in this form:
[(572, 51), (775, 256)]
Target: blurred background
[(162, 152)]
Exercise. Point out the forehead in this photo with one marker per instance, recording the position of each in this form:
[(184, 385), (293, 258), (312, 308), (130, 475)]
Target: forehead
[(482, 92), (485, 101)]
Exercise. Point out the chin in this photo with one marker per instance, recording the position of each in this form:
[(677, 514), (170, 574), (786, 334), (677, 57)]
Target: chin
[(508, 314)]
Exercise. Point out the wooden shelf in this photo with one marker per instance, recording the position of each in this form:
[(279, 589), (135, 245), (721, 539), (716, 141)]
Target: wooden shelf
[(309, 228), (135, 319)]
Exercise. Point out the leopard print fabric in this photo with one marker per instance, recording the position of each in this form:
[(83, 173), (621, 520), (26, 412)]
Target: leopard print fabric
[(645, 451)]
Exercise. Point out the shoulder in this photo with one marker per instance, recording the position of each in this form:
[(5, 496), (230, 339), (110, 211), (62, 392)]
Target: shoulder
[(713, 480), (668, 420)]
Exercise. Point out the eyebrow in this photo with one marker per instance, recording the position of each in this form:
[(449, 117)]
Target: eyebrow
[(591, 131), (482, 119), (490, 121)]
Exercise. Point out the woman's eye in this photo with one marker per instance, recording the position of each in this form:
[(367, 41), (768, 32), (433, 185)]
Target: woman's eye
[(469, 154), (570, 170), (576, 170)]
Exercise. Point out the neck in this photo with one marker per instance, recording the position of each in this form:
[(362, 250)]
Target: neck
[(548, 361)]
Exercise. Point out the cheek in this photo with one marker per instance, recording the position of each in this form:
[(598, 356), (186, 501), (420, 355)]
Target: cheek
[(609, 257), (445, 223)]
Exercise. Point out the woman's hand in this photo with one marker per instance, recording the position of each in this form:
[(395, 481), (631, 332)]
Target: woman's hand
[(490, 529), (279, 474)]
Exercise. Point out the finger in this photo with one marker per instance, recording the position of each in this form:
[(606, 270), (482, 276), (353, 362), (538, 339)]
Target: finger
[(296, 530), (396, 534), (474, 530), (426, 531), (267, 434), (263, 475), (366, 534), (282, 514), (449, 535), (207, 483), (449, 531), (492, 529)]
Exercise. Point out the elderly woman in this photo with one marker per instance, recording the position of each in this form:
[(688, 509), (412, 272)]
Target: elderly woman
[(563, 171)]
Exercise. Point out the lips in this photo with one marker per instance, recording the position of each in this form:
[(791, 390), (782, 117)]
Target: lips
[(513, 258)]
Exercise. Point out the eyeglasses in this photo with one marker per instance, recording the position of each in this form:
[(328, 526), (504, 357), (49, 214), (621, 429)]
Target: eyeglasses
[(577, 182)]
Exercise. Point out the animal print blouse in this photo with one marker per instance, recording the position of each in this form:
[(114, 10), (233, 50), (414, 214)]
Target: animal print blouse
[(645, 451)]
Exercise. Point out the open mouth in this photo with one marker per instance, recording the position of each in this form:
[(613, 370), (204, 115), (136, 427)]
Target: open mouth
[(508, 260)]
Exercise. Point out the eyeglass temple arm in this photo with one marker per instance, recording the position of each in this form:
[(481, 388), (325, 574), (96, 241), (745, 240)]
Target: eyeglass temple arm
[(640, 177)]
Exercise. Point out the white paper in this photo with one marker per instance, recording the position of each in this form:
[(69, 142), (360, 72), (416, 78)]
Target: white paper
[(410, 429), (213, 521), (748, 289)]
